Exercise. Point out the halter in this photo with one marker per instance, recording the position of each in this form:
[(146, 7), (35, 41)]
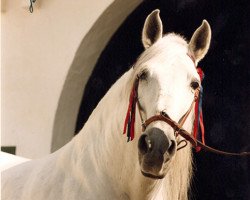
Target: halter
[(129, 124)]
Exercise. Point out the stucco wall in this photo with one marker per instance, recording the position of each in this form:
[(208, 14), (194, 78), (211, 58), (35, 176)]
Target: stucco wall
[(38, 55)]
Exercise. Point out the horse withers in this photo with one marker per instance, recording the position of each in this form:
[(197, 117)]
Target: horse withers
[(99, 163)]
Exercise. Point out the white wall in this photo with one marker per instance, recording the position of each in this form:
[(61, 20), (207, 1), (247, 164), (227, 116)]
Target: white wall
[(38, 54)]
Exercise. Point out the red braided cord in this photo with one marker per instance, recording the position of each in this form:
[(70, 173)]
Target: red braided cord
[(129, 110)]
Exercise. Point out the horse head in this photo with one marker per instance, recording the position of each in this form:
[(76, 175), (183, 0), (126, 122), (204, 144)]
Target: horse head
[(167, 80)]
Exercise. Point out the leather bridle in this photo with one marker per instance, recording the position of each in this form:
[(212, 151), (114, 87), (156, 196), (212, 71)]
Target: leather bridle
[(177, 127)]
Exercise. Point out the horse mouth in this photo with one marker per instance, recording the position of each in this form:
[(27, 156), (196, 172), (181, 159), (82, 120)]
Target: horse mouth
[(148, 175)]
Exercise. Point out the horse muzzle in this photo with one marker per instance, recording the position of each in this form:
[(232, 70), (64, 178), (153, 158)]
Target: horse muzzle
[(155, 150)]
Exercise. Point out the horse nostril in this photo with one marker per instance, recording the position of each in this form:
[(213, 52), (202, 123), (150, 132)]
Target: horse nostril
[(172, 147), (144, 144)]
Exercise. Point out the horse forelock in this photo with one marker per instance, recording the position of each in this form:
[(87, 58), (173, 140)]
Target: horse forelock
[(167, 56), (163, 50)]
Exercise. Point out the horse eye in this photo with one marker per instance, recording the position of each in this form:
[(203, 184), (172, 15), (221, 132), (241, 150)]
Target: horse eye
[(195, 85), (143, 75)]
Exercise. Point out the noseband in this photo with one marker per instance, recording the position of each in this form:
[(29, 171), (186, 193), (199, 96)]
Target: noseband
[(177, 127)]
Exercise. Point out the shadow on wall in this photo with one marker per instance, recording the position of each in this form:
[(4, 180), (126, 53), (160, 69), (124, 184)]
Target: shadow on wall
[(84, 61), (226, 85)]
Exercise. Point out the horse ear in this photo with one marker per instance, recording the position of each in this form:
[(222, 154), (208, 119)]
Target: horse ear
[(152, 30), (200, 41)]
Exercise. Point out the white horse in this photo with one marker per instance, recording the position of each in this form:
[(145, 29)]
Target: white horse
[(98, 163)]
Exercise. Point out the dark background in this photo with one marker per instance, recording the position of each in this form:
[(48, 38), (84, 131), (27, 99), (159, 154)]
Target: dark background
[(226, 86)]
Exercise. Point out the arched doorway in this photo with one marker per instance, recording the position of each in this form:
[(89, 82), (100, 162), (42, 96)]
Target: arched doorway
[(83, 63)]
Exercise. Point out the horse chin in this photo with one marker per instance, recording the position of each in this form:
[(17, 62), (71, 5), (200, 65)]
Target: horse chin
[(154, 168), (153, 171)]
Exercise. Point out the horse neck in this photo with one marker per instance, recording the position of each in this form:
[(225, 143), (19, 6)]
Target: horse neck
[(102, 146)]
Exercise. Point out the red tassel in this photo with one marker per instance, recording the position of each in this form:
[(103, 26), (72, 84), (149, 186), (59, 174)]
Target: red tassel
[(200, 72), (128, 111), (126, 122), (198, 122), (202, 128), (196, 118), (132, 127), (133, 111), (129, 123)]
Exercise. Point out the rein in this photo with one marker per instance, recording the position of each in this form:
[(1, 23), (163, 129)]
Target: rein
[(187, 136), (129, 124)]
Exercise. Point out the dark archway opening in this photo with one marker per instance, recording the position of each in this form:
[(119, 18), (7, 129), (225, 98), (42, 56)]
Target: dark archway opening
[(226, 98)]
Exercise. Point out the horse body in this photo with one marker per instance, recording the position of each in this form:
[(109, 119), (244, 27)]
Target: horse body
[(83, 170), (98, 163)]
